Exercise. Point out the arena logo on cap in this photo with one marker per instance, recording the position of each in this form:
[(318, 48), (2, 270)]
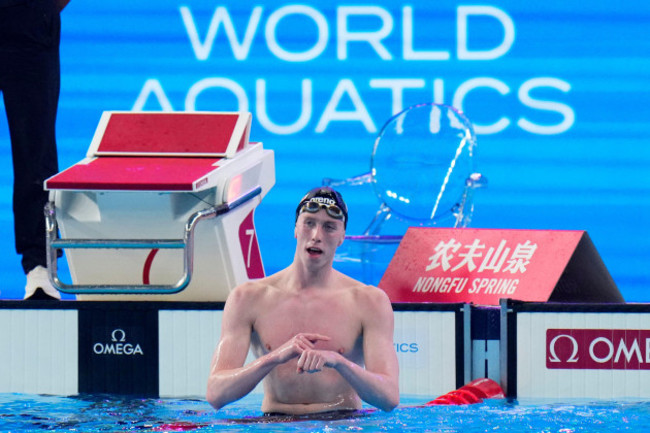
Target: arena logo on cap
[(324, 200), (598, 349), (117, 345)]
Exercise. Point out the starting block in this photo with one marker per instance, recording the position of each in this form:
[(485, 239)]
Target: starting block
[(161, 208)]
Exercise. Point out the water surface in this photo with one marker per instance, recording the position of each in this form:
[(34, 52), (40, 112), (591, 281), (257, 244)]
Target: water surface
[(103, 413)]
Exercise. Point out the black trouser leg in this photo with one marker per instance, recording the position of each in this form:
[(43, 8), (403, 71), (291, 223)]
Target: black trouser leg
[(30, 82)]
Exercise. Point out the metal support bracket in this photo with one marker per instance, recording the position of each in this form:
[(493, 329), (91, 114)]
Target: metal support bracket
[(54, 243)]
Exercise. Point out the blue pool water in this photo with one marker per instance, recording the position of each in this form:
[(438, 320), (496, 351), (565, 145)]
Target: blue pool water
[(32, 413)]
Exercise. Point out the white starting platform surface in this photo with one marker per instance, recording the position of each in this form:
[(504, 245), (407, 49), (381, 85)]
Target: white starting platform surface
[(161, 208)]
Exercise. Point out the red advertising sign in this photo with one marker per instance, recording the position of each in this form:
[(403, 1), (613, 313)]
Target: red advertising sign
[(478, 265), (598, 349)]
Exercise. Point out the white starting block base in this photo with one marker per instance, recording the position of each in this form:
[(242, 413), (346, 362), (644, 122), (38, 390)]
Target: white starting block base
[(133, 199), (219, 263)]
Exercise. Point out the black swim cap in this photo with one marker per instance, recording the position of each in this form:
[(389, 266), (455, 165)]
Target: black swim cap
[(326, 196)]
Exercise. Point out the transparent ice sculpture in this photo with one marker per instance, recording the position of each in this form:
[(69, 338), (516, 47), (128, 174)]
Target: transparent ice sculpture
[(423, 174)]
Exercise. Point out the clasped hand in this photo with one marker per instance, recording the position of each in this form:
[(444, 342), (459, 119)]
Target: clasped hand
[(310, 360)]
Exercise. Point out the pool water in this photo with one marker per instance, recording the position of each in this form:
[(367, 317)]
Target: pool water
[(101, 413)]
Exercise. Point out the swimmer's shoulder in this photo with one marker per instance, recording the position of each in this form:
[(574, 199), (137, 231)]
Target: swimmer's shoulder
[(253, 291), (364, 293)]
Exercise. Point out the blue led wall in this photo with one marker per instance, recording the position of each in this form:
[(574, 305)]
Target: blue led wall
[(557, 91)]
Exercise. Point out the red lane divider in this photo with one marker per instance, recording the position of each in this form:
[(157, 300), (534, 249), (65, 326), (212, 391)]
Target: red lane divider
[(473, 392), (177, 426)]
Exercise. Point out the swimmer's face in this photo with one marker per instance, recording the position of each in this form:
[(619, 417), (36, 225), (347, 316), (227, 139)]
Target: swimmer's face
[(318, 235)]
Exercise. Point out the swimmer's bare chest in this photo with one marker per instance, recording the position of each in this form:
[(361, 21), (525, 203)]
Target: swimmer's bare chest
[(334, 315), (330, 315)]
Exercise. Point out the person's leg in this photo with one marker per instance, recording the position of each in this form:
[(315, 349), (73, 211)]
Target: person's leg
[(31, 105), (31, 93)]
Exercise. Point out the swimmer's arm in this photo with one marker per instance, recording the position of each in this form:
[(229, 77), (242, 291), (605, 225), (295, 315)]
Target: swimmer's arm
[(229, 379), (377, 383)]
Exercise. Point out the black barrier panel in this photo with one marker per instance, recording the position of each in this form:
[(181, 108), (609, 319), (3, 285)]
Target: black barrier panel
[(118, 351), (485, 323), (586, 278)]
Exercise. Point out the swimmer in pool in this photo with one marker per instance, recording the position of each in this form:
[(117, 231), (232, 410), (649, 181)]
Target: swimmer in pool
[(323, 341)]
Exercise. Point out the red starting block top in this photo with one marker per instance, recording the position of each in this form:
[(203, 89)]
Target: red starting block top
[(170, 134), (139, 151), (135, 174)]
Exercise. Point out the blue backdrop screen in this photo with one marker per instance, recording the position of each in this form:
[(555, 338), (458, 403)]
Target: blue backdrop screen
[(557, 93)]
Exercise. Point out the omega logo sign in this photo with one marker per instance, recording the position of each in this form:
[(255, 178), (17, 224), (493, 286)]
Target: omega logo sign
[(118, 345), (598, 349)]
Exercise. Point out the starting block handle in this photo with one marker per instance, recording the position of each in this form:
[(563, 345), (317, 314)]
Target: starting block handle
[(54, 243)]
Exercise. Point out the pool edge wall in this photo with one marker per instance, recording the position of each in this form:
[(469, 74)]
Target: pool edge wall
[(560, 351), (164, 349)]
